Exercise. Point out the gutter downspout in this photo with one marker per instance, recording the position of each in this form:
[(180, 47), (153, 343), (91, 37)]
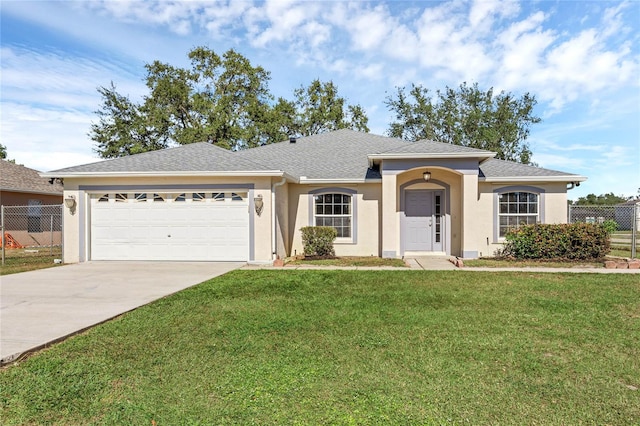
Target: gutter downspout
[(273, 215)]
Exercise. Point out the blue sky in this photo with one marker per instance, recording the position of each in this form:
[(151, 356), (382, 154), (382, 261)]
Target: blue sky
[(580, 59)]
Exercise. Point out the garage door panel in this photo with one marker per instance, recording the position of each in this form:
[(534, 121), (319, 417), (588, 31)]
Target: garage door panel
[(169, 230)]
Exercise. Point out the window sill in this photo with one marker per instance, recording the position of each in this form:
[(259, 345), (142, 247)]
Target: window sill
[(344, 241)]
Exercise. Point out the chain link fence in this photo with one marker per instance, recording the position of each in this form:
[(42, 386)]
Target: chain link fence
[(625, 241), (31, 234)]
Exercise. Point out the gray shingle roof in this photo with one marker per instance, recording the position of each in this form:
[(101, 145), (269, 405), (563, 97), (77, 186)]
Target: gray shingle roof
[(494, 168), (195, 157), (432, 147), (17, 178), (342, 154)]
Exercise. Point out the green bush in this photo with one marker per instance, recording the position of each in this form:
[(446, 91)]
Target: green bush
[(576, 241), (610, 226), (318, 240)]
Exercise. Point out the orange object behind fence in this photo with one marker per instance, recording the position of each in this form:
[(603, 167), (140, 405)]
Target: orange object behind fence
[(11, 242)]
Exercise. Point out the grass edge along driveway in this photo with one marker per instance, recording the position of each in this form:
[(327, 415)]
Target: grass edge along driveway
[(350, 347)]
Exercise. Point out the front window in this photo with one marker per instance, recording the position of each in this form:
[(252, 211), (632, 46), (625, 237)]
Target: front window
[(517, 209), (334, 210)]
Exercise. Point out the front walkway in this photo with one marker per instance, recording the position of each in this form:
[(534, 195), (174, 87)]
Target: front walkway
[(441, 263)]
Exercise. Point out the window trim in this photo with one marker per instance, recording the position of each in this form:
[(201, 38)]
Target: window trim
[(354, 210), (540, 192)]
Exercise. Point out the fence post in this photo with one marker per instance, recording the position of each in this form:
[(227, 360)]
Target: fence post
[(51, 236), (634, 229), (570, 206), (2, 229)]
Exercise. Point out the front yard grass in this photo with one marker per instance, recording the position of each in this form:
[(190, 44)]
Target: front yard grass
[(29, 259), (350, 347)]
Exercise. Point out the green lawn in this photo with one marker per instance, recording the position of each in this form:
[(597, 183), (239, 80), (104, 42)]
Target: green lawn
[(350, 347), (30, 259)]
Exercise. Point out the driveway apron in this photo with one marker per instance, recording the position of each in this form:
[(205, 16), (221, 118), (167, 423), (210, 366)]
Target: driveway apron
[(41, 307)]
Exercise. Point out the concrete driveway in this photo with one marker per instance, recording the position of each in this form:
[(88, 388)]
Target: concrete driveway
[(41, 307)]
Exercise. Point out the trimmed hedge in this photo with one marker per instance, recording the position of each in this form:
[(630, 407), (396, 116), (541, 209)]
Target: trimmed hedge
[(318, 240), (575, 241)]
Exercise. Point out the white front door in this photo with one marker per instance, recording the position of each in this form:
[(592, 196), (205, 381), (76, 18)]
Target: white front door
[(170, 226), (423, 224)]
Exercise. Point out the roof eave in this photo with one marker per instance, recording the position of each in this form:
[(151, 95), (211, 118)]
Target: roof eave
[(565, 178), (254, 173), (403, 156), (481, 156), (306, 181), (27, 191)]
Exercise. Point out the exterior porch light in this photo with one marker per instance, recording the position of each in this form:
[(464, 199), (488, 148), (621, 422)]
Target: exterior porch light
[(426, 176), (259, 204), (70, 202)]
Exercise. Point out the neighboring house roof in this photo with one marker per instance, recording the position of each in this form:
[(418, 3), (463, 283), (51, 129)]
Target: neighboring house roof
[(17, 178), (631, 202), (340, 156), (200, 158)]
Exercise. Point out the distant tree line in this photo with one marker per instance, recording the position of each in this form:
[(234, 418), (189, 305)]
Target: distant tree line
[(609, 199), (225, 100)]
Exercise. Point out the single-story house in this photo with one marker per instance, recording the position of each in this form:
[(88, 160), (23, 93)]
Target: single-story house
[(25, 197), (22, 186), (386, 197)]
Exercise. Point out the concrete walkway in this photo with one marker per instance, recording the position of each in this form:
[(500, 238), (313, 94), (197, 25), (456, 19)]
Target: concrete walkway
[(442, 263), (41, 307)]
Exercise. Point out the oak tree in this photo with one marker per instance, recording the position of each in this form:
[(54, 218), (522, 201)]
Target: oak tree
[(465, 116)]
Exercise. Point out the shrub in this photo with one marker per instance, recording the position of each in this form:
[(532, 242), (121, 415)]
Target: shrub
[(576, 241), (318, 240), (610, 226)]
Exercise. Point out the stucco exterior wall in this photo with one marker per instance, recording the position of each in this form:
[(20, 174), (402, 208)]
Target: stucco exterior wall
[(10, 198), (282, 218), (367, 226), (553, 205), (441, 179), (77, 223)]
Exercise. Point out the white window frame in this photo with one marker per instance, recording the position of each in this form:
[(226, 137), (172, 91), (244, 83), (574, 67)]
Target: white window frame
[(352, 215), (498, 193)]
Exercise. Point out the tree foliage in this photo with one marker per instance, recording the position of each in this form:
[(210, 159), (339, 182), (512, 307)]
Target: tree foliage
[(465, 116), (318, 108), (224, 100), (3, 152), (608, 199)]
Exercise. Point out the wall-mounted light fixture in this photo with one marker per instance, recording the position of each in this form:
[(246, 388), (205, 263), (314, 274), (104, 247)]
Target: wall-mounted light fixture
[(259, 204), (70, 201), (426, 176)]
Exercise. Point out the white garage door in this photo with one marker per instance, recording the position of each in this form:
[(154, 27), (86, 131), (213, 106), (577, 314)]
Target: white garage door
[(170, 226)]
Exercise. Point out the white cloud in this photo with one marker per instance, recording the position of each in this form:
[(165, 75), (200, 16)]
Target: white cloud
[(484, 12), (46, 139)]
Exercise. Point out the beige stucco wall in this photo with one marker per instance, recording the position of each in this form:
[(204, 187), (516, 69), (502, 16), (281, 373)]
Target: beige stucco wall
[(483, 238), (473, 215), (440, 178), (367, 221), (77, 225)]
